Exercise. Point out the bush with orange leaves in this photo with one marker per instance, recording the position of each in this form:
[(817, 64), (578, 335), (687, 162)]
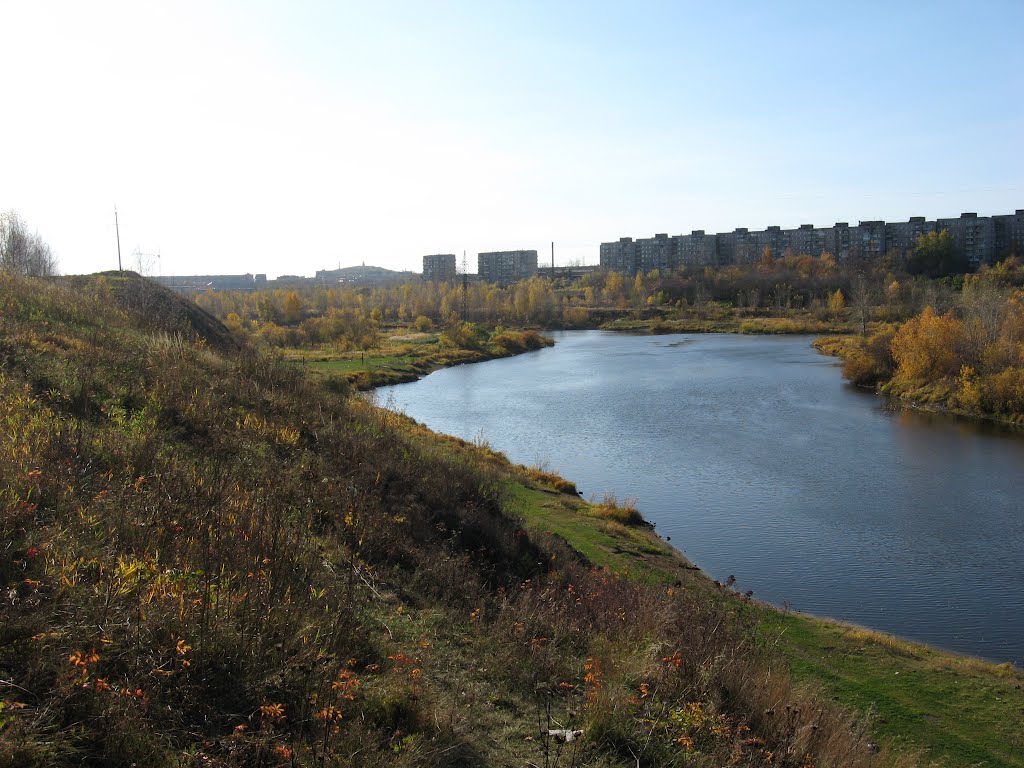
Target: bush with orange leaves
[(929, 346)]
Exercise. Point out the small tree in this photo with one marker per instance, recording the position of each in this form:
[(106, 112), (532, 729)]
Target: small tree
[(836, 303), (936, 255), (24, 252), (861, 297)]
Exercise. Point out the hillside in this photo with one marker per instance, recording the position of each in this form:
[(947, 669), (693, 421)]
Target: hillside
[(212, 561)]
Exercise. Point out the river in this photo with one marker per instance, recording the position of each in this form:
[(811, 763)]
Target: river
[(757, 460)]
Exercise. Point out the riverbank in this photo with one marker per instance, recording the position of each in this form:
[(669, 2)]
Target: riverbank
[(954, 395), (212, 559), (961, 710), (731, 322), (406, 356), (913, 689)]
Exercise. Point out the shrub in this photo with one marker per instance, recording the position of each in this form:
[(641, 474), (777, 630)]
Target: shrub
[(929, 346), (625, 513), (1003, 392)]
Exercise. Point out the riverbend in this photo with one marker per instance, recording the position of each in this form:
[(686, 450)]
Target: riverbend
[(756, 459)]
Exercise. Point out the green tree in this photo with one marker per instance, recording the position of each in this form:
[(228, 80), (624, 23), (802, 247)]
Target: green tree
[(936, 255)]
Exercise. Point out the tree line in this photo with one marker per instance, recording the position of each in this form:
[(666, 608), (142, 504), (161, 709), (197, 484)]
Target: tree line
[(890, 288), (965, 350), (22, 251)]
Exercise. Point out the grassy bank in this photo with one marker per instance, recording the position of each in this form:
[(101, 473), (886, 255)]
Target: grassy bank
[(729, 319), (958, 710), (403, 356)]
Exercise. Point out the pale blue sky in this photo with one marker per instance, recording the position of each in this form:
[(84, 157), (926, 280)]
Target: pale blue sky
[(289, 137)]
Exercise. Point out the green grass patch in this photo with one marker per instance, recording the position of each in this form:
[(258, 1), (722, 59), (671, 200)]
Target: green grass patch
[(633, 552), (360, 364), (963, 710)]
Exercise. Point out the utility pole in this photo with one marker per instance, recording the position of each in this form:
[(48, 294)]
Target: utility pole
[(552, 259), (465, 289), (118, 231)]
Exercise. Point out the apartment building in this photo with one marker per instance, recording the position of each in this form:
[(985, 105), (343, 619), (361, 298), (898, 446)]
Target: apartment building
[(698, 249), (619, 256), (439, 267), (655, 253), (982, 239), (506, 266)]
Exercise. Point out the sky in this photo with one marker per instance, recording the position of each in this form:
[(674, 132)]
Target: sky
[(287, 137)]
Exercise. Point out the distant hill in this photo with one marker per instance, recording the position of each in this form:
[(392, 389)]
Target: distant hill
[(362, 274)]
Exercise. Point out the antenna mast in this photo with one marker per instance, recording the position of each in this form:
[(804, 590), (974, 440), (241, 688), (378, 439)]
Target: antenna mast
[(117, 229)]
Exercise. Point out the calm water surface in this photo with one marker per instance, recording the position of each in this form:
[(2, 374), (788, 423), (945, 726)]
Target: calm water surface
[(759, 461)]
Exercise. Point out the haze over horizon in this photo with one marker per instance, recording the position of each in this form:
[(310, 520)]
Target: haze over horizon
[(260, 137)]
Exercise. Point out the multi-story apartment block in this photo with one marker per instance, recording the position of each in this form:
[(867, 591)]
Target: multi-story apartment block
[(619, 256), (838, 240), (807, 239), (736, 247), (974, 236), (506, 266), (869, 239), (902, 235), (654, 253), (696, 249), (982, 239), (439, 267), (1009, 230)]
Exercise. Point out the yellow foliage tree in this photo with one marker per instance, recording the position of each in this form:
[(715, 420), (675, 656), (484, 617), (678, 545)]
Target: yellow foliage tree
[(836, 302), (928, 346), (293, 308)]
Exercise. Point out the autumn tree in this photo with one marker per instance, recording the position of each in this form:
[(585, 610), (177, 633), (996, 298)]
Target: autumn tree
[(292, 308), (22, 251), (929, 346), (983, 303), (836, 303)]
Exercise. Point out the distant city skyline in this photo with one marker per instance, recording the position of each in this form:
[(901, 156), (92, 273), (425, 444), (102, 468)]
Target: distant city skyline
[(237, 137)]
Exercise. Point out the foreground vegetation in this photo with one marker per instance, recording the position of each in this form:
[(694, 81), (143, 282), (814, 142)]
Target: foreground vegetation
[(966, 357), (958, 709), (210, 559)]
